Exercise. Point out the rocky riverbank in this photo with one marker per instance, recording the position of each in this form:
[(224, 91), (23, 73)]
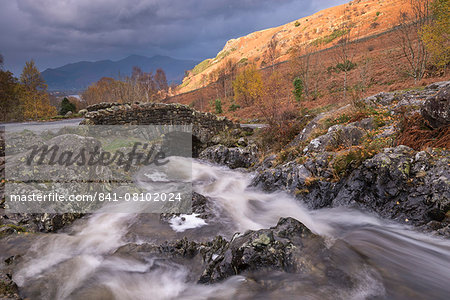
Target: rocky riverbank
[(350, 157), (335, 161)]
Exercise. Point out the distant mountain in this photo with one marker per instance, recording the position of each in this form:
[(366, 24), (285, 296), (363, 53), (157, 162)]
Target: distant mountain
[(78, 76)]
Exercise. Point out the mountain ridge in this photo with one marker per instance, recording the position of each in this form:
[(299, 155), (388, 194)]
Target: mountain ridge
[(79, 75)]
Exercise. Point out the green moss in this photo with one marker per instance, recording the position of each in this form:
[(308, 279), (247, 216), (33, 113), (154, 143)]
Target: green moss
[(15, 227), (349, 160), (405, 168), (263, 239)]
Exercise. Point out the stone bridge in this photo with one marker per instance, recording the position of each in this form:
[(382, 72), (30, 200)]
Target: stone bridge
[(204, 125)]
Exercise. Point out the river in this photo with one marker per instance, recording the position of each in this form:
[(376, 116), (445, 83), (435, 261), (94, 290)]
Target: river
[(387, 260)]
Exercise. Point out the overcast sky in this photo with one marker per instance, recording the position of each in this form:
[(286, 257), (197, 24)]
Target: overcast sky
[(57, 32)]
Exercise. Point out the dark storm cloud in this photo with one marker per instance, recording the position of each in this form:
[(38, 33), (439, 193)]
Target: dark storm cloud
[(62, 31)]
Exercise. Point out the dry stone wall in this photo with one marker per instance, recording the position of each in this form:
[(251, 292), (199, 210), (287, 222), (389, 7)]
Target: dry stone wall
[(204, 125)]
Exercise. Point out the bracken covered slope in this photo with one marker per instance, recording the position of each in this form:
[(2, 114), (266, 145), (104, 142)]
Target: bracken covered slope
[(323, 29)]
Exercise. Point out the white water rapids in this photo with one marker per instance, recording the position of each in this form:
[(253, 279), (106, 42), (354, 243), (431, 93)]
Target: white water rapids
[(392, 261)]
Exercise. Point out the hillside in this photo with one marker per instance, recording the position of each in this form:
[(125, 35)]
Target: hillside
[(77, 76), (322, 29)]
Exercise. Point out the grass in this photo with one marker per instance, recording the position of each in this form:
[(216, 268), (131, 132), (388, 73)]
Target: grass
[(331, 37), (222, 54), (185, 83), (201, 66)]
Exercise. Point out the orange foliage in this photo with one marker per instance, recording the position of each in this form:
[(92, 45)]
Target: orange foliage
[(415, 133)]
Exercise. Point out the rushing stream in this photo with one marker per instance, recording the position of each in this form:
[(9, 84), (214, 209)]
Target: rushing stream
[(389, 261)]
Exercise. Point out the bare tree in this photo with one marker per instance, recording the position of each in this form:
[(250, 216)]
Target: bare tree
[(304, 65), (344, 56), (272, 51), (411, 44)]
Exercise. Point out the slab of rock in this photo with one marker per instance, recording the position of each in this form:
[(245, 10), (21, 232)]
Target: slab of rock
[(436, 109), (337, 135), (234, 157)]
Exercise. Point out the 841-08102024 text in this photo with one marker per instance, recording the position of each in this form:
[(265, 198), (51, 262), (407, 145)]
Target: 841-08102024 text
[(155, 197)]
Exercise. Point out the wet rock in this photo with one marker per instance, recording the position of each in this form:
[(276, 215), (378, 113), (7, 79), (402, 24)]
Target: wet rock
[(398, 183), (201, 206), (235, 157), (46, 222), (289, 247), (285, 247), (182, 248), (436, 109), (54, 222), (8, 289)]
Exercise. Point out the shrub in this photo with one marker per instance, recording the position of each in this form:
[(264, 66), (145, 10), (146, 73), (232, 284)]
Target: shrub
[(378, 13), (297, 23), (298, 88), (345, 66), (234, 107), (66, 106), (218, 106)]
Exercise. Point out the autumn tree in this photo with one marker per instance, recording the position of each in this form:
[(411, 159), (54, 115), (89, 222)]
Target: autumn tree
[(161, 80), (436, 33), (10, 90), (270, 104), (140, 86), (105, 90), (407, 36), (34, 97), (225, 77), (248, 86)]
